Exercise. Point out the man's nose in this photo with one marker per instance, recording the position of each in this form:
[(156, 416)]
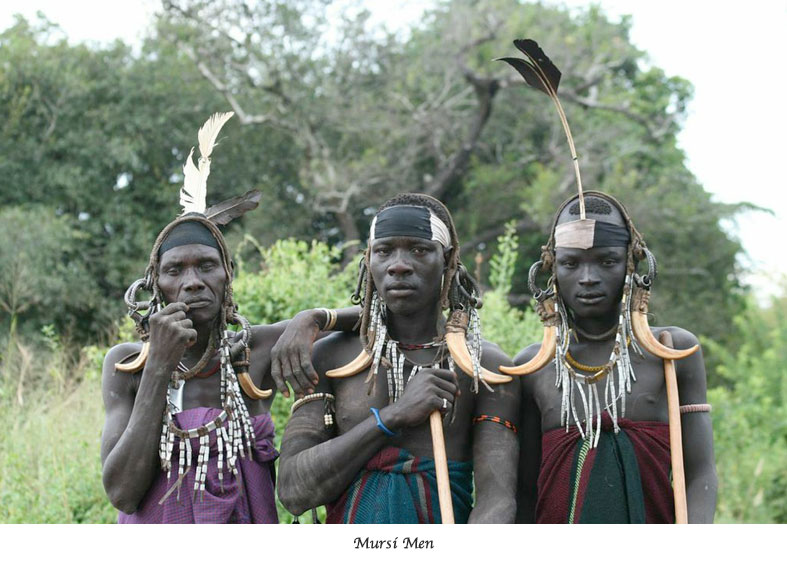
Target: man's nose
[(588, 275), (192, 281), (399, 264)]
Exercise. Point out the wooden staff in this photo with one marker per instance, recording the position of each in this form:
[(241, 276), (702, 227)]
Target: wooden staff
[(675, 435), (441, 468)]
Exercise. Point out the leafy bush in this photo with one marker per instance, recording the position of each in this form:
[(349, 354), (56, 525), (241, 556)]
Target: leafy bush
[(750, 419)]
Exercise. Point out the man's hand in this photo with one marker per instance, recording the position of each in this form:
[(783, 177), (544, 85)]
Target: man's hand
[(171, 332), (429, 390), (291, 356)]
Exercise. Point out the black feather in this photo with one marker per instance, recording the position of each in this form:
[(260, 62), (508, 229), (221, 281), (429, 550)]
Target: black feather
[(527, 71), (224, 212), (540, 60)]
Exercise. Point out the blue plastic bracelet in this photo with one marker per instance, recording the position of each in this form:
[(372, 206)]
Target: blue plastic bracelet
[(380, 424)]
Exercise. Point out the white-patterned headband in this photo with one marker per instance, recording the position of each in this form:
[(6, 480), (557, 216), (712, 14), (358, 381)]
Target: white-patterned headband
[(410, 221)]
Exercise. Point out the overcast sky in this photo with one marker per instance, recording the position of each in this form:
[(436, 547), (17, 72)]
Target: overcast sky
[(732, 53)]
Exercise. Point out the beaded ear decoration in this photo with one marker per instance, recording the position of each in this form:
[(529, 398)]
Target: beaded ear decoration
[(232, 428), (632, 329)]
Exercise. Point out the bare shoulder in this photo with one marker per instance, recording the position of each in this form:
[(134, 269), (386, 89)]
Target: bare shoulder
[(494, 356), (118, 354), (681, 338), (527, 353), (114, 383), (266, 335), (335, 350), (530, 381)]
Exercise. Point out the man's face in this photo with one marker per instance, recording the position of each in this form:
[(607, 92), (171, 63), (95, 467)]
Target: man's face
[(407, 272), (590, 281), (194, 275)]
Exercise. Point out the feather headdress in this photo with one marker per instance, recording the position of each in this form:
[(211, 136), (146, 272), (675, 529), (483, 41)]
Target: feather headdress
[(542, 74), (193, 195)]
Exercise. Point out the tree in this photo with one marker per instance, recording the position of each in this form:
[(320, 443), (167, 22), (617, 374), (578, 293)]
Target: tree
[(373, 114)]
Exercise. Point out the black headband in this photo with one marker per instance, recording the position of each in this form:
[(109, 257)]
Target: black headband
[(188, 233), (410, 221), (590, 233)]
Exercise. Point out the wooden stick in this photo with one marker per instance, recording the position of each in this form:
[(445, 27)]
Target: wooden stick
[(441, 468), (675, 436)]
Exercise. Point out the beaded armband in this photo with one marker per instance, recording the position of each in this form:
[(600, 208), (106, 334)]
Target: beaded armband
[(328, 403), (495, 419), (696, 408)]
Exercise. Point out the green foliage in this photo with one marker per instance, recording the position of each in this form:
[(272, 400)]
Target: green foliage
[(750, 419), (511, 328), (294, 275), (41, 276), (50, 471)]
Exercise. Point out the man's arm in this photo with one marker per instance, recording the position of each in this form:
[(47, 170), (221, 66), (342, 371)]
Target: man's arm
[(529, 443), (495, 446), (291, 356), (697, 431), (132, 425), (316, 467)]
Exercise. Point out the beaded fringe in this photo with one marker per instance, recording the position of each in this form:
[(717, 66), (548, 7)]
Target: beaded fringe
[(618, 371), (386, 350), (234, 433)]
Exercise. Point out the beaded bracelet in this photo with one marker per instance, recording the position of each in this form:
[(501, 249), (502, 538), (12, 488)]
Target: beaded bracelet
[(329, 411), (696, 408), (380, 424), (496, 419)]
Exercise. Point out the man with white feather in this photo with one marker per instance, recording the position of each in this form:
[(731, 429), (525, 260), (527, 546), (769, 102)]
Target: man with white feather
[(188, 436)]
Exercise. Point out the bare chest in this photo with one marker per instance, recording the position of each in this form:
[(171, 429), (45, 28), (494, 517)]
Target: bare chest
[(646, 401)]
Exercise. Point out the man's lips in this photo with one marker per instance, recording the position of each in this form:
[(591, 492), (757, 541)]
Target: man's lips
[(591, 298), (198, 303), (399, 289)]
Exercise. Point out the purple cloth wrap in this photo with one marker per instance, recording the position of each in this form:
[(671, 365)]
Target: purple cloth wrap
[(247, 499)]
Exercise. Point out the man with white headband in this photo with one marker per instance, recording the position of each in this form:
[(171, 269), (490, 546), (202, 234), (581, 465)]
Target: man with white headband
[(361, 445)]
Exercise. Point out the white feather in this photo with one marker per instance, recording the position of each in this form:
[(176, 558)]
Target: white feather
[(194, 191), (193, 195)]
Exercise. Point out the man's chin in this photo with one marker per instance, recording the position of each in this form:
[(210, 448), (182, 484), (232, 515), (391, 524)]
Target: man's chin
[(203, 315)]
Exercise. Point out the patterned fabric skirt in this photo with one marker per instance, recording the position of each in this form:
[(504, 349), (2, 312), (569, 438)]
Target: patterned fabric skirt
[(396, 487), (249, 498), (625, 479)]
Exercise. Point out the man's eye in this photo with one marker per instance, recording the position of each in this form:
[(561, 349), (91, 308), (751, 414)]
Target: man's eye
[(173, 271), (207, 266), (420, 250), (381, 251)]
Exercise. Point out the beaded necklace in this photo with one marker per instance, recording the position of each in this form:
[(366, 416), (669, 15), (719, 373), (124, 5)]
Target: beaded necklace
[(391, 354), (232, 427), (618, 371)]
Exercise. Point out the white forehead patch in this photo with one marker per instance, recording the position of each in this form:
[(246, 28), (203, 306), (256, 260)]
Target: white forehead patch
[(577, 234)]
